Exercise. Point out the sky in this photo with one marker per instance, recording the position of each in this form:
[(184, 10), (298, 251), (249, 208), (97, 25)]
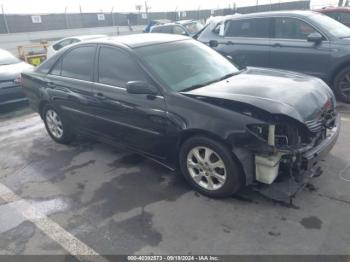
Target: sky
[(59, 6)]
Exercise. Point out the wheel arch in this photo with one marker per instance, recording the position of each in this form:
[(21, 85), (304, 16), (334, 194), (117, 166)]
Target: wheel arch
[(336, 71), (185, 135)]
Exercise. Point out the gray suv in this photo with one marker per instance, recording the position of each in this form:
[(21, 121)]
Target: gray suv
[(303, 41)]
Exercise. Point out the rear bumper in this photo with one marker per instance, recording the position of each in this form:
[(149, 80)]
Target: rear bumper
[(314, 155)]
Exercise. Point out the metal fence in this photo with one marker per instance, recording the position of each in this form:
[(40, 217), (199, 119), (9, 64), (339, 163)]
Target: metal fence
[(11, 23)]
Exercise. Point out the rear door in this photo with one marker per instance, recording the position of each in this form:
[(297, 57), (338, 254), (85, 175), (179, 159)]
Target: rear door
[(134, 119), (69, 84), (247, 41), (290, 49)]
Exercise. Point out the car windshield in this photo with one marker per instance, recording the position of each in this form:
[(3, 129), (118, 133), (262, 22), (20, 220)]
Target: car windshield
[(7, 58), (186, 65), (193, 27), (332, 26)]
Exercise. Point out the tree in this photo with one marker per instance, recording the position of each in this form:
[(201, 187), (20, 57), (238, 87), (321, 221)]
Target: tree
[(138, 8), (340, 3)]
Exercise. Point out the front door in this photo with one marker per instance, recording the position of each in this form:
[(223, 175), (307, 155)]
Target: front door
[(290, 49), (136, 120)]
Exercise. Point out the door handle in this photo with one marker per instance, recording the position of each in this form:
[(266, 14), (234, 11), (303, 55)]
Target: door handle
[(100, 96), (277, 45)]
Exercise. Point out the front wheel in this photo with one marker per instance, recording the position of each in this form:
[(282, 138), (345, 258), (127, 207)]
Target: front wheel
[(56, 125), (209, 167), (342, 85)]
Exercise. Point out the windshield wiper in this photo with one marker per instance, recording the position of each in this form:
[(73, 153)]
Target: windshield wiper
[(211, 82)]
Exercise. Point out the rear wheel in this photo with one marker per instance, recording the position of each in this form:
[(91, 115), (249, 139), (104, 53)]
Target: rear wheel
[(56, 125), (210, 167), (342, 85)]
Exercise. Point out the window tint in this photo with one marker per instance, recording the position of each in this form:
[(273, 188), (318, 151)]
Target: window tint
[(178, 30), (291, 28), (345, 18), (116, 68), (257, 27), (78, 63), (56, 70), (162, 29)]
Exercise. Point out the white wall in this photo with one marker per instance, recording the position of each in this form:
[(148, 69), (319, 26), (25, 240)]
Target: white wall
[(11, 41)]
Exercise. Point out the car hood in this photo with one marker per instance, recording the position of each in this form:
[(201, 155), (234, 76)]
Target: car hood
[(10, 72), (296, 95)]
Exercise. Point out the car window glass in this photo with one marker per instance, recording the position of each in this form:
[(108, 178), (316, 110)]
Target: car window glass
[(56, 70), (116, 68), (291, 28), (62, 44), (178, 30), (345, 18), (78, 63), (257, 27), (156, 30), (335, 16)]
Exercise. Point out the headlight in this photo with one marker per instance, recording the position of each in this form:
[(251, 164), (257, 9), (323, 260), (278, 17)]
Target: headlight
[(263, 132)]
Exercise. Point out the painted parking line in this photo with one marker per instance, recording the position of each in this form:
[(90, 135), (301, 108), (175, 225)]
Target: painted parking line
[(53, 230), (345, 119)]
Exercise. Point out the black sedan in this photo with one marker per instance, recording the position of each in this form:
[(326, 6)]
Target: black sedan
[(184, 105)]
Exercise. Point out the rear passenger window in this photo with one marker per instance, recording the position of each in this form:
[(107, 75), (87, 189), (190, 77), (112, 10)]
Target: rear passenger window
[(78, 63), (291, 28), (116, 68), (256, 28)]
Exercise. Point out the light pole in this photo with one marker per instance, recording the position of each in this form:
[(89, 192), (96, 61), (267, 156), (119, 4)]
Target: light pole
[(5, 20)]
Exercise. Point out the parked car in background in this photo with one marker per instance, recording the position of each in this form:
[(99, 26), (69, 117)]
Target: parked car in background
[(301, 41), (10, 72), (341, 14), (179, 102), (55, 47), (152, 23), (182, 27)]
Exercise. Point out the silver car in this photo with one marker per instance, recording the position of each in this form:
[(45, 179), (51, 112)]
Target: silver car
[(10, 73)]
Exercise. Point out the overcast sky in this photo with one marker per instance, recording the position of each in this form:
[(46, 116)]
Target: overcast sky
[(58, 6)]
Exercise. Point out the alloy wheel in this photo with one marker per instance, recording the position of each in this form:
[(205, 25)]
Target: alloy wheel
[(206, 168), (54, 123)]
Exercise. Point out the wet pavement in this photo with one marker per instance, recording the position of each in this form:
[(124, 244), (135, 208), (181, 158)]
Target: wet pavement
[(109, 201)]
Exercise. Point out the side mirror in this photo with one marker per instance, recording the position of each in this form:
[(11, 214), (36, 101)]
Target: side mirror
[(315, 37), (213, 43), (185, 33), (140, 88)]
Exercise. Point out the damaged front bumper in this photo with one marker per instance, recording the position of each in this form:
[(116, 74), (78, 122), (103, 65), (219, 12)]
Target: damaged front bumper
[(283, 187)]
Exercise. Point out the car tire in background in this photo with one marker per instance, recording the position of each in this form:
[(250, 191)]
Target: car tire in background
[(57, 125), (209, 167), (341, 82)]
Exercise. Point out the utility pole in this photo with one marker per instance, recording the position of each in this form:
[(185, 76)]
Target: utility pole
[(5, 20), (66, 17), (146, 10), (81, 16)]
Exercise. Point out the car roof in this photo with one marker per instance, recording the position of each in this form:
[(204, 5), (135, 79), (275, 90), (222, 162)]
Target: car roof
[(139, 40), (333, 9), (183, 22), (293, 13)]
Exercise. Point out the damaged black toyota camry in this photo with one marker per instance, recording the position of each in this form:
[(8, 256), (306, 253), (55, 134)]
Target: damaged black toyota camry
[(187, 107)]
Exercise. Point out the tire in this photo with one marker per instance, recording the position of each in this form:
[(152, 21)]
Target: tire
[(341, 81), (231, 176), (63, 133)]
